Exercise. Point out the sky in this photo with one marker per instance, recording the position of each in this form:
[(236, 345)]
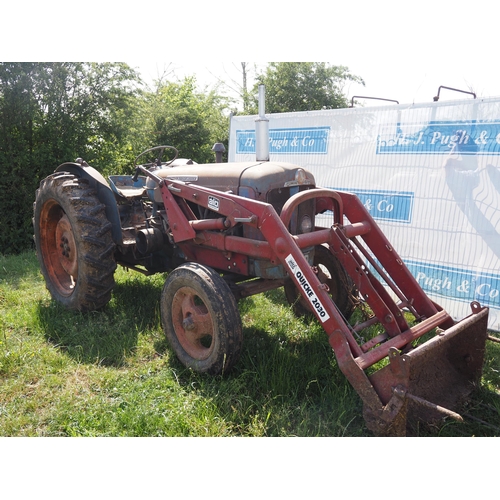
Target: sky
[(418, 84), (403, 51)]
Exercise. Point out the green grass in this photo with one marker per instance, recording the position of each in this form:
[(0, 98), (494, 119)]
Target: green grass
[(111, 373)]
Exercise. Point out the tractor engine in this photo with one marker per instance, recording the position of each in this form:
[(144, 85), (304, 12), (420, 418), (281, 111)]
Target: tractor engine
[(145, 224)]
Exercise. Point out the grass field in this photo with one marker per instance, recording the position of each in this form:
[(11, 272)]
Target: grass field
[(111, 373)]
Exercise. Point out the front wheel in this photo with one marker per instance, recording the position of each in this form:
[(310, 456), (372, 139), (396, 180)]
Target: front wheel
[(201, 319)]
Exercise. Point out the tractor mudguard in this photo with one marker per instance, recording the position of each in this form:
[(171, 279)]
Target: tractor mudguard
[(104, 193)]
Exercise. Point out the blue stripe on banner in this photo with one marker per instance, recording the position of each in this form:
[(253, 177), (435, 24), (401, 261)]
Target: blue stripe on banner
[(395, 206), (450, 282), (311, 140), (464, 137)]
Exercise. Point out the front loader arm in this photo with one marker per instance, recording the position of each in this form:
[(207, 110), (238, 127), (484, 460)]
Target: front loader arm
[(414, 379)]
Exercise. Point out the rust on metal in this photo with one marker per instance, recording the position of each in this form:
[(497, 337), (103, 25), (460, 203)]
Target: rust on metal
[(432, 378)]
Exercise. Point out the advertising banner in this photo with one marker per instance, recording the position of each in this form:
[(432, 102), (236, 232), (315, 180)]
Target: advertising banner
[(428, 173)]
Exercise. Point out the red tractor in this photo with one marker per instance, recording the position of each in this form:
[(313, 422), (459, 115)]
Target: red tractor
[(224, 231)]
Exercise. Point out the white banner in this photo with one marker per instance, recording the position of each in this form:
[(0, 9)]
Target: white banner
[(428, 173)]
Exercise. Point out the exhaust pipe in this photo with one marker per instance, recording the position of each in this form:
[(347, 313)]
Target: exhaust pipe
[(218, 148), (262, 128)]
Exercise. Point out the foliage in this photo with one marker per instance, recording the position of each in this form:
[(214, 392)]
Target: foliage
[(111, 372), (51, 113), (176, 114), (303, 86)]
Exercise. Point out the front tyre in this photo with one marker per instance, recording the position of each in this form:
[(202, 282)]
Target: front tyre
[(73, 242), (201, 319)]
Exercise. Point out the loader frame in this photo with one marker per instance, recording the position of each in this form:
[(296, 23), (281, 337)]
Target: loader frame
[(398, 382)]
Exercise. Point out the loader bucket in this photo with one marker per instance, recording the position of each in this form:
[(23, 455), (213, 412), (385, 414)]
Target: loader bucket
[(431, 381)]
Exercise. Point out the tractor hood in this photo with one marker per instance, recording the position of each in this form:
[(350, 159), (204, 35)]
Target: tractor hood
[(248, 179)]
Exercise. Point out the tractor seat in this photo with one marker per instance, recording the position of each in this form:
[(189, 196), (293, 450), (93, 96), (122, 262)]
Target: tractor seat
[(124, 186)]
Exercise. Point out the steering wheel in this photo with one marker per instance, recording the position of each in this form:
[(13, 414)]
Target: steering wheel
[(157, 161)]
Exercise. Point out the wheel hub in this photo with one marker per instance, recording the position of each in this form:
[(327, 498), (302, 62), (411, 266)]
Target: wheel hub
[(67, 247), (193, 323)]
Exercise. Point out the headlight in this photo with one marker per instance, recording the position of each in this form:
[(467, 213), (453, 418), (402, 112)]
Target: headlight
[(300, 176), (299, 179), (305, 224)]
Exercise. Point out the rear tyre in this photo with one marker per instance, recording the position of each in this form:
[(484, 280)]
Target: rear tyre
[(201, 319), (73, 242), (332, 273)]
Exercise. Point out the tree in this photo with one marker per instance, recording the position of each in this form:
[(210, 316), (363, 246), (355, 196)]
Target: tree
[(303, 86), (51, 113), (191, 121), (235, 87)]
